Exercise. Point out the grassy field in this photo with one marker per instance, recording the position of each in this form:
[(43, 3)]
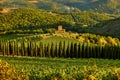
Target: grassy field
[(57, 39), (66, 69), (45, 38)]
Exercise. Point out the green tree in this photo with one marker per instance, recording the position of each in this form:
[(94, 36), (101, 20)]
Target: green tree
[(48, 51), (56, 51), (64, 49), (23, 49), (75, 50), (52, 50), (72, 50), (68, 51), (60, 49)]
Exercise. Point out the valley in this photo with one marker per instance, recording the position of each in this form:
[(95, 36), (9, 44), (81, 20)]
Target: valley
[(59, 39)]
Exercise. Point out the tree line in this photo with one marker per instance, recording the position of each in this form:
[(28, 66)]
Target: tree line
[(60, 50)]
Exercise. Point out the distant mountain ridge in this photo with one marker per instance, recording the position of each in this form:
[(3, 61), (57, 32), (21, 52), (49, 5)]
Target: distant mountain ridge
[(102, 6)]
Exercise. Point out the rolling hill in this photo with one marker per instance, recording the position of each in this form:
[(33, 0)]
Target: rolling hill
[(33, 19), (112, 27), (72, 14)]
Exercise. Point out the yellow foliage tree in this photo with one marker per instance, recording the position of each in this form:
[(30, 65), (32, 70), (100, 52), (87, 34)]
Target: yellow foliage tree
[(9, 73)]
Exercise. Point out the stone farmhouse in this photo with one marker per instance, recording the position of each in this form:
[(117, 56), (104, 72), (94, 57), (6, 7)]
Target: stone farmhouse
[(60, 30)]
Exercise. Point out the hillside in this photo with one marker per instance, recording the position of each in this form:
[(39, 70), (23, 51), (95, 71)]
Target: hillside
[(101, 6), (32, 19), (27, 18), (111, 27)]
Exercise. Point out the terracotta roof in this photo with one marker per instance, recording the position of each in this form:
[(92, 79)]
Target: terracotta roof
[(7, 10)]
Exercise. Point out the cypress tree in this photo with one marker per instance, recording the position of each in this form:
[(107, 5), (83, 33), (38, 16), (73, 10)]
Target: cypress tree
[(110, 52), (45, 50), (40, 50), (60, 49), (114, 53), (90, 51), (28, 49), (72, 50), (48, 50), (17, 49), (102, 52), (118, 52), (105, 52), (0, 45), (87, 51), (13, 48), (68, 51), (98, 51), (110, 48), (64, 49), (52, 50), (35, 50), (56, 51), (23, 48), (31, 48), (79, 51), (75, 50), (83, 51), (10, 48), (4, 50), (93, 51)]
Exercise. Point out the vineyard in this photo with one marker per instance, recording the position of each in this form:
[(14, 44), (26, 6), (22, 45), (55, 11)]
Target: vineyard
[(66, 69), (61, 58), (59, 40)]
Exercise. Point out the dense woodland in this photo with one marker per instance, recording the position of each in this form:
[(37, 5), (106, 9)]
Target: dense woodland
[(29, 19)]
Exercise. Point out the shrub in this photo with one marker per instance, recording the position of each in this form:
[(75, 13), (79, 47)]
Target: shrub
[(7, 72)]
